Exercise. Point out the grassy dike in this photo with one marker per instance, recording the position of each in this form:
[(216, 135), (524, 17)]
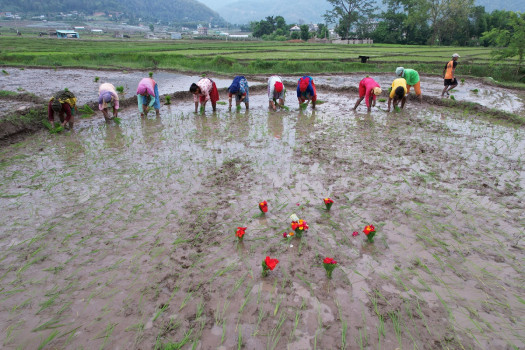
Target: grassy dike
[(247, 57)]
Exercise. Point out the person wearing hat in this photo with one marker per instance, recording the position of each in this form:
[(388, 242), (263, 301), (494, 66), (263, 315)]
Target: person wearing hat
[(148, 96), (449, 75), (107, 96), (398, 93), (276, 92), (62, 103), (368, 90), (412, 78), (306, 91)]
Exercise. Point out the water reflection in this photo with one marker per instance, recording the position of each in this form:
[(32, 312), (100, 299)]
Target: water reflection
[(150, 128), (275, 125), (114, 137)]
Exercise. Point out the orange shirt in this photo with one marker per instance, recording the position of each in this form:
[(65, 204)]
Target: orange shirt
[(449, 69)]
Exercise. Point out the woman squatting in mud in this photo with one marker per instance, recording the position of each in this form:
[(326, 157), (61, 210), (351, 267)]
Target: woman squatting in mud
[(369, 89), (203, 91), (107, 96), (148, 96), (398, 93), (62, 102)]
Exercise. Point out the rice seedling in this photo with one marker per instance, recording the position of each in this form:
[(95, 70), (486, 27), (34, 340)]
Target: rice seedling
[(222, 103), (452, 97), (150, 74), (168, 100), (49, 339), (5, 72), (86, 111), (53, 128), (96, 79), (381, 99), (475, 91), (120, 89)]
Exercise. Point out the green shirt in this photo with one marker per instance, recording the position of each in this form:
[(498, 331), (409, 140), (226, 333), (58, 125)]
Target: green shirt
[(411, 76)]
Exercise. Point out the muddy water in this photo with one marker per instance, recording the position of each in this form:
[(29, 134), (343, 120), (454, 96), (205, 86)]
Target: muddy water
[(471, 90), (123, 236), (45, 82)]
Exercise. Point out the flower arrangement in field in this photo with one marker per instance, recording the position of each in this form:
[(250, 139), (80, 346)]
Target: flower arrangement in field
[(298, 225), (370, 232), (328, 202), (268, 264), (329, 265), (263, 206), (241, 231)]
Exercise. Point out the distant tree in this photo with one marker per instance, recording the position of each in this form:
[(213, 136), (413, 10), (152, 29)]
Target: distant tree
[(346, 13), (295, 35), (511, 39), (322, 31), (305, 32), (280, 23), (151, 27), (261, 28)]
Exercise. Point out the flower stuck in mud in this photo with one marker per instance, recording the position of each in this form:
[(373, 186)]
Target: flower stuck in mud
[(355, 233), (329, 265), (241, 231), (268, 264), (298, 225), (288, 234), (328, 202), (370, 232), (263, 206)]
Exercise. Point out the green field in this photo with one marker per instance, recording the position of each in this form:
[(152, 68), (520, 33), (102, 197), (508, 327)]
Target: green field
[(245, 57)]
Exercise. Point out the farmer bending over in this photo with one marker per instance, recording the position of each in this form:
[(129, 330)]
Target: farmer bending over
[(204, 90), (397, 93), (276, 92), (108, 97), (239, 88), (148, 96), (449, 74), (62, 102), (306, 91), (412, 79), (368, 90)]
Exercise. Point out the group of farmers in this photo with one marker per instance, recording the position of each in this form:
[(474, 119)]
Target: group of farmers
[(205, 90)]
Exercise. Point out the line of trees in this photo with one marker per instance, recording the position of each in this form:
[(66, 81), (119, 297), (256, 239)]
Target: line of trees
[(434, 22), (275, 28)]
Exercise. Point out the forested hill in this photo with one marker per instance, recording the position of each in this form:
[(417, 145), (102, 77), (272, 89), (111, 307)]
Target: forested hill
[(167, 10)]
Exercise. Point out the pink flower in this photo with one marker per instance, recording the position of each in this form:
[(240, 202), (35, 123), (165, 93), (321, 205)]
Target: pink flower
[(355, 233)]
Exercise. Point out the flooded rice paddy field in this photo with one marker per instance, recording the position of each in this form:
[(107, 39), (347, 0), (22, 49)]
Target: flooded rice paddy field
[(123, 237), (45, 82)]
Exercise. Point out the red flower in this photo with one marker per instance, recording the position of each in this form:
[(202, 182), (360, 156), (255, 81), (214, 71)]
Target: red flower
[(369, 229), (271, 263), (295, 225), (329, 261), (355, 233), (285, 235), (240, 231), (263, 206), (328, 201)]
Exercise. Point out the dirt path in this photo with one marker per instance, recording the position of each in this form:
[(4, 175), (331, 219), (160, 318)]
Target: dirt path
[(123, 236)]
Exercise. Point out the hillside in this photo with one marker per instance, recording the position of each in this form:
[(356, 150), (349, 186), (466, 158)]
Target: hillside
[(310, 11), (168, 10)]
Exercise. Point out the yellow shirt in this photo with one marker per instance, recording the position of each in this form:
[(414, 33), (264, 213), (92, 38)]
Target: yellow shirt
[(397, 83)]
